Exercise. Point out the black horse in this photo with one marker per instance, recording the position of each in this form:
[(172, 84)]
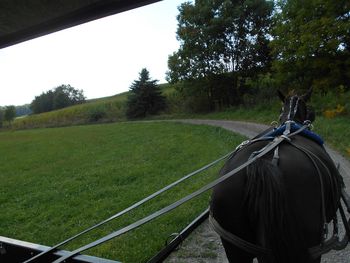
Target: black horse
[(277, 208)]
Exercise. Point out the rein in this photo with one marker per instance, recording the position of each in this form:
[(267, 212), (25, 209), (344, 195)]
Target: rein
[(130, 208), (269, 147)]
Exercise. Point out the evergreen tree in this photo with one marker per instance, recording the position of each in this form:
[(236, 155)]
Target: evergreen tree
[(145, 97)]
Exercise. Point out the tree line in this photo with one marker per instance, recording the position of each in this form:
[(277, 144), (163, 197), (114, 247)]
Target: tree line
[(230, 49), (57, 98)]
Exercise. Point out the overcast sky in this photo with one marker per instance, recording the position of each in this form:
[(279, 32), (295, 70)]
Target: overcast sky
[(102, 57)]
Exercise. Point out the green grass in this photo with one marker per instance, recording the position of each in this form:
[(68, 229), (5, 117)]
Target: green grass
[(335, 131), (57, 182)]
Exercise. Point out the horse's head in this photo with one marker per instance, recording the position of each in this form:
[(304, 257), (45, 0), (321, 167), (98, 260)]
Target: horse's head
[(295, 109)]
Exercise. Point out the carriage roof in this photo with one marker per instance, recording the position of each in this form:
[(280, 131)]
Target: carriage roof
[(24, 20)]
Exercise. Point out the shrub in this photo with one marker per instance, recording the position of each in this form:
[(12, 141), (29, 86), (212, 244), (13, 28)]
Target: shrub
[(96, 114), (339, 110)]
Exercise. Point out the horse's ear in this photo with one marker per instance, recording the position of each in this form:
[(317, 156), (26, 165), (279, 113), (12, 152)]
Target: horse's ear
[(307, 95), (280, 95)]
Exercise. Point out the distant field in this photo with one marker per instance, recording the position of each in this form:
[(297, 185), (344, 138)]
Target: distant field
[(57, 182), (109, 109), (100, 110)]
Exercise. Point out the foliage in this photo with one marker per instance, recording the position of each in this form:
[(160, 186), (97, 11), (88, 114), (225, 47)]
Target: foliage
[(339, 110), (97, 114), (9, 113), (217, 39), (311, 44), (57, 182), (58, 98), (145, 97), (220, 36), (261, 89), (23, 110), (333, 103), (1, 117), (213, 92)]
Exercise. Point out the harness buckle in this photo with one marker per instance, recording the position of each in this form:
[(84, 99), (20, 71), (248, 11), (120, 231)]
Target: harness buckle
[(286, 137), (244, 143), (274, 124), (309, 125)]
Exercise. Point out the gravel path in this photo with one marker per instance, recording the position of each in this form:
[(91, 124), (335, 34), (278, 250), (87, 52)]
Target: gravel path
[(204, 246)]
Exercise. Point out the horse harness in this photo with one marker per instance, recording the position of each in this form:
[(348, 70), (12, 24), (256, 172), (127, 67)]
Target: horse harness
[(286, 132)]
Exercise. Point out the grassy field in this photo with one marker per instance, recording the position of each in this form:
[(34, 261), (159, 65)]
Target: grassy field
[(332, 122), (335, 131), (56, 182)]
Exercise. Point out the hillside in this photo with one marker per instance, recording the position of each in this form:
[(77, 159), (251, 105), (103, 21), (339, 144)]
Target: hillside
[(100, 110)]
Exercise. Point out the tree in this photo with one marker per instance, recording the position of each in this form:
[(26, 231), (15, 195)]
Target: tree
[(220, 37), (58, 98), (311, 43), (23, 110), (10, 113), (145, 97), (43, 102), (1, 117)]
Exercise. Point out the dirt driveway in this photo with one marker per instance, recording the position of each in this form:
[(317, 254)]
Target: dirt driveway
[(203, 246)]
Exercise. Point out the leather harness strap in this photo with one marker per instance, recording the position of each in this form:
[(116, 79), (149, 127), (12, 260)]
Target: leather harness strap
[(239, 242)]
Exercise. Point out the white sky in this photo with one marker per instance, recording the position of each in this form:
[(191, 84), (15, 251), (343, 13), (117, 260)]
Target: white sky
[(102, 57)]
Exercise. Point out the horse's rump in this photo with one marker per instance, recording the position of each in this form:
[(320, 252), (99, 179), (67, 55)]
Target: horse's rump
[(278, 207)]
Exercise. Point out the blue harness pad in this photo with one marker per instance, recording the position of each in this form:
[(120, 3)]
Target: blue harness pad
[(294, 127)]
